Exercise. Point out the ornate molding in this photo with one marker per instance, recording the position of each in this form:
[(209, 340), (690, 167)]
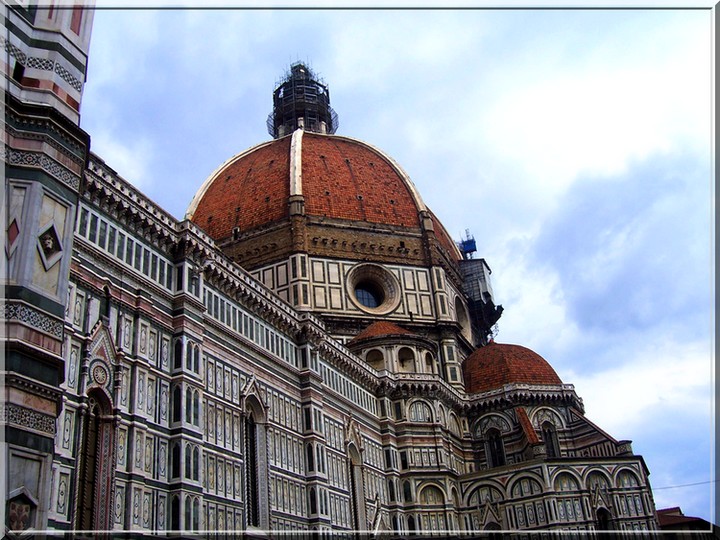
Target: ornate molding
[(42, 161), (32, 317), (27, 418), (44, 64)]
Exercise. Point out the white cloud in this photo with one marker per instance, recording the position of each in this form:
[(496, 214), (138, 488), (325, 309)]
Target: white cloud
[(131, 159), (656, 378)]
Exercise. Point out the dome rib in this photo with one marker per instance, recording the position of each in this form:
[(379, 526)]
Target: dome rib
[(296, 187), (337, 177)]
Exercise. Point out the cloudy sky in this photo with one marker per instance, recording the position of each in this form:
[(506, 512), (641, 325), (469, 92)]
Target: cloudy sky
[(575, 145)]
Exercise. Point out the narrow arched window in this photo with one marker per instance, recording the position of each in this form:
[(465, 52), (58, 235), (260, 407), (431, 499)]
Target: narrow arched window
[(196, 409), (196, 464), (196, 359), (175, 513), (495, 448), (188, 405), (391, 489), (177, 359), (175, 461), (188, 355), (188, 461), (196, 514), (407, 491), (188, 512), (312, 502), (177, 404), (253, 515), (549, 435), (310, 458)]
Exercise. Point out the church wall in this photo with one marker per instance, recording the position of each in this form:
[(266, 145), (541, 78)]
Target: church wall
[(184, 345)]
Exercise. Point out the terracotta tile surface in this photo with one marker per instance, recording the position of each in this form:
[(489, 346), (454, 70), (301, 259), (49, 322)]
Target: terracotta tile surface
[(346, 180), (380, 328), (497, 364), (250, 192)]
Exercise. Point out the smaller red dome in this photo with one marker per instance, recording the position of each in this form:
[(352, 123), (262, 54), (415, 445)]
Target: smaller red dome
[(380, 329), (497, 364)]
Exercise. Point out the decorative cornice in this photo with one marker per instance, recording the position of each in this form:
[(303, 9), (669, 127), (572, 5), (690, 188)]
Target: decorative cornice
[(42, 161), (15, 311), (36, 388), (12, 414)]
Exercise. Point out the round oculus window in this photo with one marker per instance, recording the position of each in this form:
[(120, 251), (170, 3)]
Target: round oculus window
[(373, 289)]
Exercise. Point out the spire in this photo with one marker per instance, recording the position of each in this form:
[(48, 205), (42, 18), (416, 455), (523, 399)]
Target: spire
[(301, 100)]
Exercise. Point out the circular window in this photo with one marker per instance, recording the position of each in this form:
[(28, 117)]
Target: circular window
[(373, 289), (369, 294)]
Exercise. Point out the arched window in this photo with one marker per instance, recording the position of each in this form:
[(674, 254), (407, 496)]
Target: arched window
[(549, 436), (431, 495), (175, 513), (188, 355), (391, 489), (312, 502), (411, 523), (627, 479), (407, 491), (429, 363), (196, 464), (454, 425), (310, 457), (188, 405), (406, 360), (188, 512), (255, 446), (251, 470), (376, 359), (188, 462), (177, 404), (196, 514), (420, 412), (196, 409), (175, 461), (177, 359), (566, 482), (196, 359), (495, 448)]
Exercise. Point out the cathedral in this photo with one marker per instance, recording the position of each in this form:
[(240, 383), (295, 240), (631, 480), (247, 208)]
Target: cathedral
[(306, 350)]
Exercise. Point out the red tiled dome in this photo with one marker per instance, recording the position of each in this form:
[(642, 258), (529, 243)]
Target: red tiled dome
[(338, 177), (381, 329), (248, 191), (497, 364)]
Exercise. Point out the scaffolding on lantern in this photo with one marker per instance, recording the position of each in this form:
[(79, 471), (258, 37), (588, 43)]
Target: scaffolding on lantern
[(301, 100)]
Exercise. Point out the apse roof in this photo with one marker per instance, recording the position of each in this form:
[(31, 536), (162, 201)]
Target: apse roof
[(497, 364), (381, 329)]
